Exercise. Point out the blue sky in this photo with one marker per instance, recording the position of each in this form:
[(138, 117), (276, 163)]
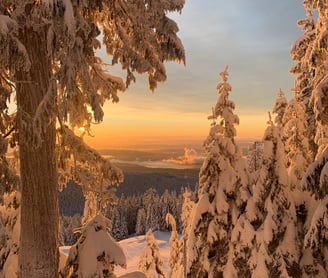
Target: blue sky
[(253, 37)]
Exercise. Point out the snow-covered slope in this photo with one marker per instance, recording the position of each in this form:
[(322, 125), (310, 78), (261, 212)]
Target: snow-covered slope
[(132, 248)]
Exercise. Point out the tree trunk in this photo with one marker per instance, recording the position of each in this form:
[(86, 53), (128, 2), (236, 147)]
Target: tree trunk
[(38, 253)]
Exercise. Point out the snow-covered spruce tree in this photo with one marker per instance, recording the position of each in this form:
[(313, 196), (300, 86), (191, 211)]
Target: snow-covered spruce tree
[(299, 156), (95, 253), (278, 110), (168, 205), (68, 225), (9, 234), (315, 256), (271, 212), (9, 209), (174, 244), (254, 160), (119, 229), (151, 203), (141, 222), (180, 267), (301, 52), (222, 193), (254, 156), (187, 208), (62, 79), (297, 144), (151, 261), (315, 182), (318, 63)]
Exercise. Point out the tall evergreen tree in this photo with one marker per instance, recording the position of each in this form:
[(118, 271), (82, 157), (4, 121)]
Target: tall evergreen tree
[(271, 212), (222, 193), (297, 144), (62, 80), (315, 180)]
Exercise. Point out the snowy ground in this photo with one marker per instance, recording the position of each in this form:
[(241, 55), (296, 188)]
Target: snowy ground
[(133, 247)]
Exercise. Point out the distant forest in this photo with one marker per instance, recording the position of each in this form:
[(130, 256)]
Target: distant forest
[(143, 196)]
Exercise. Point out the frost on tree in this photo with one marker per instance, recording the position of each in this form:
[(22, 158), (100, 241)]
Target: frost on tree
[(271, 212), (254, 159), (297, 144), (187, 208), (62, 84), (315, 182), (9, 234), (152, 207), (316, 243), (315, 179), (180, 266), (318, 62), (174, 244), (96, 253), (222, 193), (279, 108), (9, 212), (299, 156), (151, 261), (141, 222), (301, 53)]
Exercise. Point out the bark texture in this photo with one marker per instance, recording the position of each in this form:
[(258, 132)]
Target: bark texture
[(38, 254)]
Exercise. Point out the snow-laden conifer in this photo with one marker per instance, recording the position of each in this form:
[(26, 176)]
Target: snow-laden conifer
[(318, 64), (153, 214), (175, 248), (222, 193), (299, 156), (316, 243), (271, 212), (49, 62), (315, 179), (315, 183), (9, 210), (254, 160), (151, 261), (141, 222), (9, 234), (297, 144), (301, 52), (96, 253), (279, 108)]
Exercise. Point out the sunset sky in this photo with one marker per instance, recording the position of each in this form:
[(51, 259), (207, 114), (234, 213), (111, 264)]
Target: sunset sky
[(253, 37)]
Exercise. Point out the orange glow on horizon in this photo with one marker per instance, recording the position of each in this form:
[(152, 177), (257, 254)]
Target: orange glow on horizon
[(166, 129)]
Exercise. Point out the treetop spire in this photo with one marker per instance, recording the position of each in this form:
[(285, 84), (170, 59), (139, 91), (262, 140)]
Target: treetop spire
[(224, 74)]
